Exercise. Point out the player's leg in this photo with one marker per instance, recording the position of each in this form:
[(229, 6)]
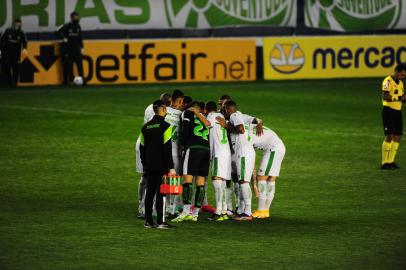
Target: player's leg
[(245, 169), (217, 168), (387, 143), (273, 173), (15, 75), (393, 151), (234, 178), (398, 131), (200, 168), (217, 185), (229, 198), (199, 196), (142, 184), (172, 199), (262, 178), (206, 205), (187, 188), (149, 198)]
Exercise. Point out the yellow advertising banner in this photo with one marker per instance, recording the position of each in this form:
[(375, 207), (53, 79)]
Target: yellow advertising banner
[(332, 57), (153, 61)]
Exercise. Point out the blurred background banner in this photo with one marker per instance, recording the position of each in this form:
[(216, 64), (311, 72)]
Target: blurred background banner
[(47, 15), (332, 57), (147, 61), (355, 15)]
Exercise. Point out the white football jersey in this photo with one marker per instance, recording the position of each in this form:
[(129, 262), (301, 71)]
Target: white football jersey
[(219, 145), (267, 141), (242, 141), (173, 118), (248, 119), (149, 113)]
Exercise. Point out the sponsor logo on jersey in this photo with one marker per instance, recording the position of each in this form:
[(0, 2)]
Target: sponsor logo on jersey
[(287, 58)]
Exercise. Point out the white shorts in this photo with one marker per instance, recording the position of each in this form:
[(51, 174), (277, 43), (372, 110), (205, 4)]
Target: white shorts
[(272, 160), (138, 163), (221, 166), (245, 165)]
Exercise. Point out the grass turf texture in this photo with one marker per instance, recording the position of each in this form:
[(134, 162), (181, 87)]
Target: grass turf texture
[(68, 186)]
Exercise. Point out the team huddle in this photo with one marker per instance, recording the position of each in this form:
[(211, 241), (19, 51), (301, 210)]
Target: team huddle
[(217, 139)]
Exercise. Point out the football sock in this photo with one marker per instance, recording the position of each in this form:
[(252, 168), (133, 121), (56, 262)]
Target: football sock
[(199, 196), (224, 200), (237, 194), (393, 151), (205, 202), (386, 149), (246, 196), (218, 194), (270, 194), (187, 193), (186, 209), (229, 195), (262, 190)]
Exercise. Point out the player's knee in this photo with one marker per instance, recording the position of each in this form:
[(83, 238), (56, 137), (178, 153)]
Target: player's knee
[(397, 138), (262, 177), (388, 138)]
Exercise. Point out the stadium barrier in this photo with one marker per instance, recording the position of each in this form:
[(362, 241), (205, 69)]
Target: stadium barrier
[(148, 61), (332, 57)]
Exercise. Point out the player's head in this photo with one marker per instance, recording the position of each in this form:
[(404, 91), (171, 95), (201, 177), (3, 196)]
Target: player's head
[(400, 71), (196, 104), (166, 98), (187, 100), (223, 99), (17, 24), (202, 105), (230, 107), (159, 108), (75, 17), (211, 106), (177, 99)]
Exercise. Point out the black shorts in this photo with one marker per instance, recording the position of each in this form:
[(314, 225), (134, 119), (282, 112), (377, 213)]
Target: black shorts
[(197, 162), (392, 121)]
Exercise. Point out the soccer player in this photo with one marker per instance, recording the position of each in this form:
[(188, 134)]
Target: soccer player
[(195, 139), (142, 185), (220, 155), (71, 47), (245, 156), (392, 97), (173, 118), (13, 42), (156, 157), (273, 153)]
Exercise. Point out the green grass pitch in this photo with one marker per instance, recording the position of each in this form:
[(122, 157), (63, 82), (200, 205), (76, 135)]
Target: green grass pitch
[(68, 187)]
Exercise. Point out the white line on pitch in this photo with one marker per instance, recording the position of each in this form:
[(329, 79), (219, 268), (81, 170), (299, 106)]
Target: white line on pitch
[(47, 109)]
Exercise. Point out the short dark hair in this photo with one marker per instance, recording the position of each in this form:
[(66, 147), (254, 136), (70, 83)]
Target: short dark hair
[(157, 104), (166, 98), (230, 103), (177, 94), (74, 13), (225, 97), (211, 106), (202, 105), (400, 67), (187, 100), (18, 20), (195, 103)]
